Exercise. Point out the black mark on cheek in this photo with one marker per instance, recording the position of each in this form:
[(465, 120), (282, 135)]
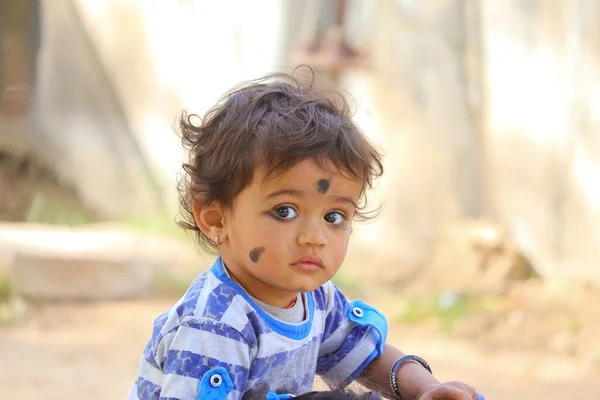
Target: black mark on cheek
[(323, 185), (255, 254)]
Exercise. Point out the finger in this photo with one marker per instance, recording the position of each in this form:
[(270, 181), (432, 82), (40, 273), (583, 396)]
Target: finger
[(469, 389), (446, 392)]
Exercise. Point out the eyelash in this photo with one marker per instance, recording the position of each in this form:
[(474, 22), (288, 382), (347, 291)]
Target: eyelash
[(274, 214)]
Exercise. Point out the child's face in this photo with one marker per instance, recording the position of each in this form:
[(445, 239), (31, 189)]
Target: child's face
[(289, 233)]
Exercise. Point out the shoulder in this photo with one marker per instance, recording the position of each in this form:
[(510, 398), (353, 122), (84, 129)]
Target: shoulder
[(329, 297), (209, 304)]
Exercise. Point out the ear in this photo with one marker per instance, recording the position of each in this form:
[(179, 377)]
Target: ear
[(210, 220)]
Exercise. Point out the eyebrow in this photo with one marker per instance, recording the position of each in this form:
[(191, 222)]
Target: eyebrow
[(291, 192), (300, 193)]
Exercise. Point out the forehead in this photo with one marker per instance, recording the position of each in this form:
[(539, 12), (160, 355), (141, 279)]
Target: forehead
[(308, 173)]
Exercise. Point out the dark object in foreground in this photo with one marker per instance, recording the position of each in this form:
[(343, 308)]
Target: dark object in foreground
[(338, 394)]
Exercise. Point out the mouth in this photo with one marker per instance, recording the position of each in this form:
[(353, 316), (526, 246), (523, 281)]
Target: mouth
[(309, 263)]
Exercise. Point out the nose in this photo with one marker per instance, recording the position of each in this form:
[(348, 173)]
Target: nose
[(312, 235)]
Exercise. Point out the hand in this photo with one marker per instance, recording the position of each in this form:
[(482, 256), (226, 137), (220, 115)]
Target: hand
[(449, 391)]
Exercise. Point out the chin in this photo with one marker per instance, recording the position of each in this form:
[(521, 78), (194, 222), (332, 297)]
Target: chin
[(308, 287)]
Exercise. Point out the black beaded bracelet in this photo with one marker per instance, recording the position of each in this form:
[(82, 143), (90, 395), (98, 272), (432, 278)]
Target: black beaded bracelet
[(396, 367)]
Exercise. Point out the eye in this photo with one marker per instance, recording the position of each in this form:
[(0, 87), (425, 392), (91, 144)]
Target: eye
[(335, 218), (285, 212)]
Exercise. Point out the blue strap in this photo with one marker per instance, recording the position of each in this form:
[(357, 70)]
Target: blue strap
[(214, 385), (363, 314)]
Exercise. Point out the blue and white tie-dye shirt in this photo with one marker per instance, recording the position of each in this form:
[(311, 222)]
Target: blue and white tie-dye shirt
[(217, 343)]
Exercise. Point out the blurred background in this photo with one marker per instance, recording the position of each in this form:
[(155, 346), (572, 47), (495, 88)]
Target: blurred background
[(485, 259)]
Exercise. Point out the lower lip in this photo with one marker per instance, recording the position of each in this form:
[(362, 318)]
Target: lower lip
[(307, 267)]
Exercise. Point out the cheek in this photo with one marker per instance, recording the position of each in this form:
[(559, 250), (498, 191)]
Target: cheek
[(267, 233), (339, 243), (344, 245), (275, 238)]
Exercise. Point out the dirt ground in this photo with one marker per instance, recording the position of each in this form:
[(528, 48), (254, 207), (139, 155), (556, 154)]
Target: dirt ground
[(91, 351), (535, 341)]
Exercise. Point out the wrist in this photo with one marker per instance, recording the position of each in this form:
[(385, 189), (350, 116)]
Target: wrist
[(410, 377)]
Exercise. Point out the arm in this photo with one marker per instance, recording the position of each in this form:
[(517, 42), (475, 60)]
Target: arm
[(360, 346), (412, 377), (414, 381), (182, 363), (354, 336)]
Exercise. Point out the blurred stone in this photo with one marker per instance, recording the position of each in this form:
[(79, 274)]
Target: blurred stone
[(474, 256), (89, 263), (65, 274)]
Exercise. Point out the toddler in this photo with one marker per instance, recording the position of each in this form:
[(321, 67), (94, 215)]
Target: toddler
[(277, 173)]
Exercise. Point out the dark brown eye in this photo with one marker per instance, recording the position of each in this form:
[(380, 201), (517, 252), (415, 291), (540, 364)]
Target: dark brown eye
[(285, 212), (335, 218)]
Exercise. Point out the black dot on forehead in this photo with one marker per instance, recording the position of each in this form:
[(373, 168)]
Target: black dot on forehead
[(255, 254), (323, 185)]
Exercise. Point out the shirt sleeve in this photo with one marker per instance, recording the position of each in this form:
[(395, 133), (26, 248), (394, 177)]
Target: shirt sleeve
[(354, 334), (197, 356)]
